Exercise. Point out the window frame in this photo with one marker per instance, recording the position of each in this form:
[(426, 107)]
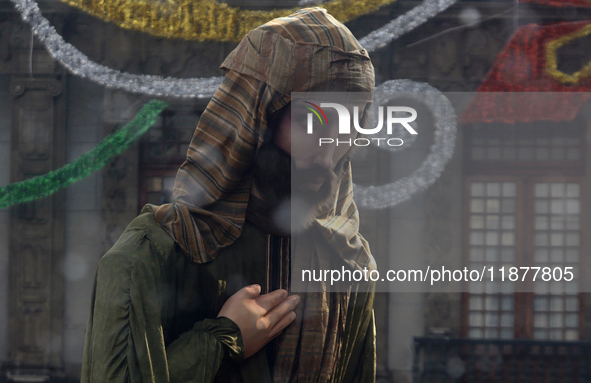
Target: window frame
[(525, 174)]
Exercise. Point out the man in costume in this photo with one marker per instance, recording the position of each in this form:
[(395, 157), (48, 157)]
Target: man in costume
[(197, 290)]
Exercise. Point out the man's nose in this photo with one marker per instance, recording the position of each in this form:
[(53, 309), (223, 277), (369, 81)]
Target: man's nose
[(324, 155)]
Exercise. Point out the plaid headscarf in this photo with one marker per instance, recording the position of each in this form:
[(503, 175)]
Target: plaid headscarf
[(307, 51)]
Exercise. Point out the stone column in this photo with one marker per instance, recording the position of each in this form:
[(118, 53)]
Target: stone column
[(37, 227)]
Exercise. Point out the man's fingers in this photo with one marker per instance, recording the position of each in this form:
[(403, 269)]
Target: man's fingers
[(282, 324), (263, 323), (251, 292), (280, 311), (272, 299)]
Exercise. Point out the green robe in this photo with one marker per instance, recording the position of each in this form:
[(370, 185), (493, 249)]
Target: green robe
[(153, 315)]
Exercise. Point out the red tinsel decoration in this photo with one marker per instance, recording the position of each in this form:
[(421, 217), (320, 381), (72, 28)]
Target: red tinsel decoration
[(560, 3), (522, 67)]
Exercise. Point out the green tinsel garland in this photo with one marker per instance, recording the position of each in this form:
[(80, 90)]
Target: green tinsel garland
[(112, 145)]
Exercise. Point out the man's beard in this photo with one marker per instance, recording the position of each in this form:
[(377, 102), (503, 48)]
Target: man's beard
[(273, 174)]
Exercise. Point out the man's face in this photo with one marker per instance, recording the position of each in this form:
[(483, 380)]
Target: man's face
[(293, 172), (312, 164)]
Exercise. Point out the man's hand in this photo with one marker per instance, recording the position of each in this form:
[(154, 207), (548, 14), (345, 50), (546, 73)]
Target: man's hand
[(260, 317)]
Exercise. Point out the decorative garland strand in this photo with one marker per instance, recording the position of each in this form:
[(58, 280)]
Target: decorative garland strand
[(552, 57), (79, 64), (204, 20), (392, 194), (112, 145), (404, 23)]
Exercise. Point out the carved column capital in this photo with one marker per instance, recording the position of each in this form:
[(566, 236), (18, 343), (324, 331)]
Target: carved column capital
[(20, 86)]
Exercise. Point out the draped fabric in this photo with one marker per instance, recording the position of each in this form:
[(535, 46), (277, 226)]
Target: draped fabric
[(305, 52), (154, 312)]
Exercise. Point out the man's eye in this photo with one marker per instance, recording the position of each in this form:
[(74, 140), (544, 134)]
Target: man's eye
[(301, 120)]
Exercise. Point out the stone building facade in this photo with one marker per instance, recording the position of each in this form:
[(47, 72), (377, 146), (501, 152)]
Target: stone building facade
[(49, 248)]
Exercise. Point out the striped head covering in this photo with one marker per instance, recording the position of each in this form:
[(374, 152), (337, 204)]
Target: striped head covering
[(308, 51)]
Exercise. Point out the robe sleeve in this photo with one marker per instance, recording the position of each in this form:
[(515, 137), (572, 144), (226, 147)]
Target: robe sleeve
[(124, 340), (197, 355)]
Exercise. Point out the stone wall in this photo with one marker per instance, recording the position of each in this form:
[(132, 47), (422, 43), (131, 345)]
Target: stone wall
[(5, 123)]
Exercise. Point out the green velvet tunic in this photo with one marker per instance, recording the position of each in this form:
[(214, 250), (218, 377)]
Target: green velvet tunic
[(153, 315)]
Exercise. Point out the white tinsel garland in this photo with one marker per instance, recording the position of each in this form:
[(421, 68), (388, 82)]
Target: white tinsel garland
[(79, 64), (404, 23), (445, 120), (372, 197)]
